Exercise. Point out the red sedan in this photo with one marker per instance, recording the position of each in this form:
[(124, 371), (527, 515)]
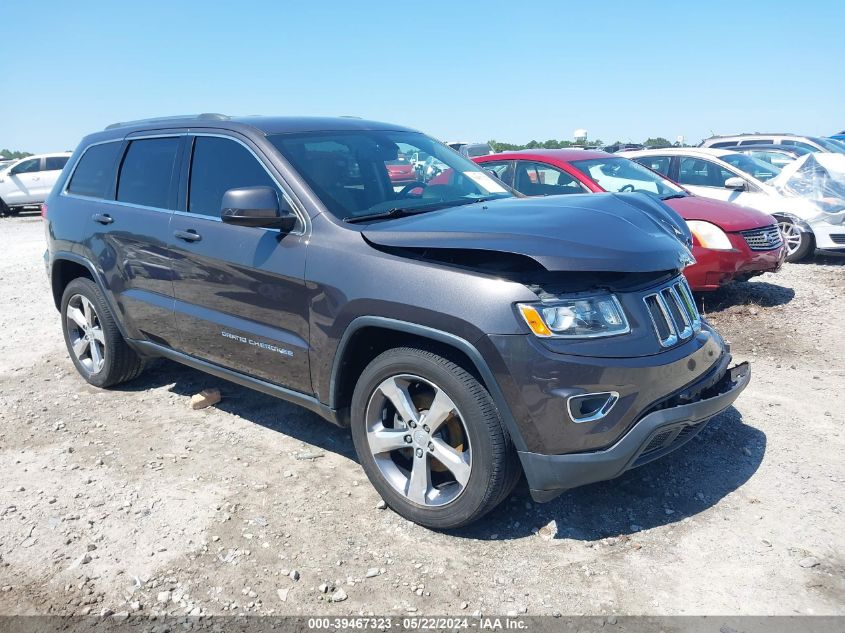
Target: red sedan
[(401, 171), (729, 242)]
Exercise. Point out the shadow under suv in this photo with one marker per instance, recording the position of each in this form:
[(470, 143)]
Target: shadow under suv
[(465, 334)]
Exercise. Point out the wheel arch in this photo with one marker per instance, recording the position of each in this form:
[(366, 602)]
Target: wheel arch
[(65, 267), (368, 336)]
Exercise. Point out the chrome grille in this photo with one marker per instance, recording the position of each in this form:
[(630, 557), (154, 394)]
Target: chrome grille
[(673, 312), (764, 239)]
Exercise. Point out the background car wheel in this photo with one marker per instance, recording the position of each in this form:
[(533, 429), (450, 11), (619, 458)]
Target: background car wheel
[(430, 439), (798, 243), (4, 209), (93, 340)]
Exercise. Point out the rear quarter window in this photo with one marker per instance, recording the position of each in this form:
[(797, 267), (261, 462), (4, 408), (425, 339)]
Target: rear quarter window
[(94, 175)]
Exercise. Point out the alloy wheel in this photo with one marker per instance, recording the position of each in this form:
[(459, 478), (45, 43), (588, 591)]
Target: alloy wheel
[(85, 333), (791, 236), (418, 440)]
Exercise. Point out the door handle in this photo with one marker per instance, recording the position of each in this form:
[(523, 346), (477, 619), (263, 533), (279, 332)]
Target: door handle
[(102, 218), (189, 236), (36, 178)]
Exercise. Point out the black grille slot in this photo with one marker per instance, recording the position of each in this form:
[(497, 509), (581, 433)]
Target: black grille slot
[(657, 442), (838, 238), (661, 323), (667, 441)]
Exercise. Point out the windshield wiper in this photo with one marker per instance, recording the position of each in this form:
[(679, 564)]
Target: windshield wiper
[(400, 212), (672, 196)]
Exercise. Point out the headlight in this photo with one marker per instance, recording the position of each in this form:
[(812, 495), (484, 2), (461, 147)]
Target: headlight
[(581, 317), (709, 235)]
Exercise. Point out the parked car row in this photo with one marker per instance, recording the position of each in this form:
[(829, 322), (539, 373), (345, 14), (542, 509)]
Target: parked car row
[(807, 200)]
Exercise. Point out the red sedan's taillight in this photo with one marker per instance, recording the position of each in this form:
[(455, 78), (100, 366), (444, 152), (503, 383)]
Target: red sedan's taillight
[(43, 211)]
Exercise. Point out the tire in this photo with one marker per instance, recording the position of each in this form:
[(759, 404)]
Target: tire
[(798, 243), (102, 356), (4, 209), (469, 436)]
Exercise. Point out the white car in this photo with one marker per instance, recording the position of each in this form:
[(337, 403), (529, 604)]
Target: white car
[(28, 181), (811, 143), (808, 217)]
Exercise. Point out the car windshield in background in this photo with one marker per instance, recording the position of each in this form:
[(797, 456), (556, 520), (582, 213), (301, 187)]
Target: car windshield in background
[(761, 170), (621, 174), (348, 172)]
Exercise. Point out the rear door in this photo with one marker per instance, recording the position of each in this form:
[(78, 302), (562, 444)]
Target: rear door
[(122, 193), (241, 300)]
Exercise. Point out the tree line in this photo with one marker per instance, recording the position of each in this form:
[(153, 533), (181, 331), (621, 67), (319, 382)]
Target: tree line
[(499, 146), (7, 154)]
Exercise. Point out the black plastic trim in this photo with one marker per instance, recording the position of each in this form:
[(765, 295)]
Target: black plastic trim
[(304, 400)]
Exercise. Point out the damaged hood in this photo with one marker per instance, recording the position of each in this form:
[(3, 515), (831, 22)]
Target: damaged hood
[(592, 232)]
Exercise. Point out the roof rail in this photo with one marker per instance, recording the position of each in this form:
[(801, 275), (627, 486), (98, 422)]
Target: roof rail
[(205, 116)]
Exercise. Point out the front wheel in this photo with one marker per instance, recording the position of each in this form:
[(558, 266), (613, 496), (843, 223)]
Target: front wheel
[(799, 244), (430, 439)]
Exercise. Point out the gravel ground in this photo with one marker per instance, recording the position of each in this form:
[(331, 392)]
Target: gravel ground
[(127, 500)]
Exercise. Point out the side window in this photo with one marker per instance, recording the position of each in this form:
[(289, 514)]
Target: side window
[(55, 163), (702, 173), (220, 164), (539, 179), (94, 174), (660, 164), (146, 175), (800, 144), (28, 166), (756, 141), (502, 168)]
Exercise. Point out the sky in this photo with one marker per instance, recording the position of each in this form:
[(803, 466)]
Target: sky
[(458, 70)]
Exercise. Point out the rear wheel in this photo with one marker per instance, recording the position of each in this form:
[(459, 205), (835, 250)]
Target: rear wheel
[(799, 244), (430, 439), (93, 340)]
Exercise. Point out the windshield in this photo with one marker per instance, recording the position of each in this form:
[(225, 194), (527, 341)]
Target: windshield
[(621, 174), (348, 171), (761, 170)]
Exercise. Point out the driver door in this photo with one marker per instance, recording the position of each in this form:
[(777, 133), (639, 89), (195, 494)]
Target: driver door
[(706, 178), (241, 299), (23, 182)]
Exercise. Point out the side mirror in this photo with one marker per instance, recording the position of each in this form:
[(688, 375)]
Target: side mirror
[(256, 207), (736, 183)]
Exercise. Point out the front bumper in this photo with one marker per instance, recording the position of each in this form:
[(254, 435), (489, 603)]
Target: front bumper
[(653, 436), (716, 268), (829, 237)]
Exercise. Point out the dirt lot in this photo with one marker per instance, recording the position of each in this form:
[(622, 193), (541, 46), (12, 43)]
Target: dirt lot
[(126, 500)]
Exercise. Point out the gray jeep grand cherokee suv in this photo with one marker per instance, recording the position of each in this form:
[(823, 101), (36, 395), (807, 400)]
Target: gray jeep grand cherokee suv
[(466, 335)]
